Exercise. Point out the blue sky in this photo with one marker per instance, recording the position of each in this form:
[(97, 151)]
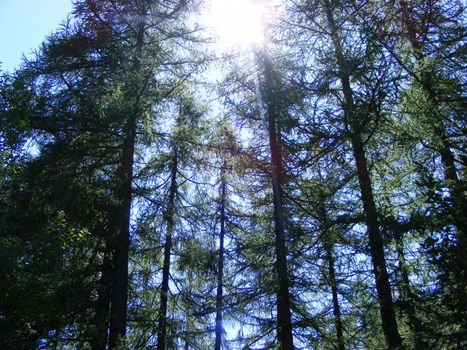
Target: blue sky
[(24, 24)]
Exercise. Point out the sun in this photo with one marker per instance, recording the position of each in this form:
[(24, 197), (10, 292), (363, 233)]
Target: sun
[(236, 22)]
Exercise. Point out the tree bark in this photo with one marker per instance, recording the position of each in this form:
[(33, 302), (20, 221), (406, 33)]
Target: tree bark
[(383, 287), (169, 217), (336, 310), (118, 312), (284, 316), (119, 299), (220, 267), (389, 323), (101, 318)]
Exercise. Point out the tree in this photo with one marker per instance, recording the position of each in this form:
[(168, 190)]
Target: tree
[(314, 198), (271, 98), (353, 116)]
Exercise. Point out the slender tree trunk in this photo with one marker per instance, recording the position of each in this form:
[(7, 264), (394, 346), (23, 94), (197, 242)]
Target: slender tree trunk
[(188, 310), (220, 267), (389, 323), (336, 310), (284, 316), (328, 247), (119, 300), (408, 298), (101, 319), (169, 217), (383, 287)]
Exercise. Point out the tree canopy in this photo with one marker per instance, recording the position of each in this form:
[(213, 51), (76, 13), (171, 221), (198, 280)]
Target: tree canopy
[(162, 189)]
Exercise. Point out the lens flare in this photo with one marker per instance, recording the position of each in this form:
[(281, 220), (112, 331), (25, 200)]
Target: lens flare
[(236, 22)]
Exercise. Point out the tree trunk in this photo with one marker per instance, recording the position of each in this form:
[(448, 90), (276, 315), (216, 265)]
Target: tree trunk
[(169, 217), (284, 317), (328, 248), (188, 312), (408, 298), (119, 300), (389, 323), (118, 313), (335, 300), (220, 268), (101, 318), (383, 287)]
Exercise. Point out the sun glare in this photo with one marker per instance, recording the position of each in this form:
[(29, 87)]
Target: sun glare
[(236, 22)]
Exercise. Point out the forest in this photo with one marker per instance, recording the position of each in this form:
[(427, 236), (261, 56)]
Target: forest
[(301, 188)]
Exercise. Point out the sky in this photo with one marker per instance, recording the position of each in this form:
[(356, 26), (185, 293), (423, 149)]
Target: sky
[(24, 24)]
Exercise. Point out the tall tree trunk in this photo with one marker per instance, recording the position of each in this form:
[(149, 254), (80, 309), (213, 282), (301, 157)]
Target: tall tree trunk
[(188, 311), (118, 312), (119, 300), (169, 217), (328, 248), (101, 318), (284, 316), (220, 267), (336, 310), (383, 287), (388, 317), (408, 297)]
